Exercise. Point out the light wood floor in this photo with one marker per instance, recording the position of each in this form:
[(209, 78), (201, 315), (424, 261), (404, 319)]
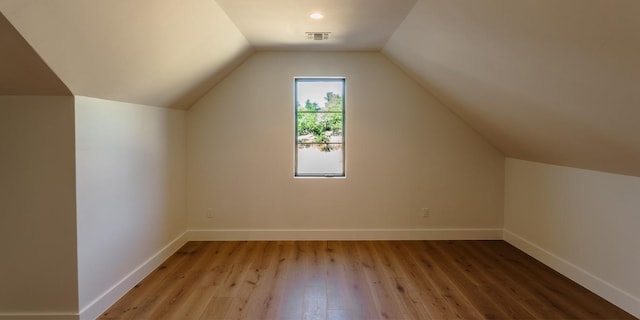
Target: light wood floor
[(357, 280)]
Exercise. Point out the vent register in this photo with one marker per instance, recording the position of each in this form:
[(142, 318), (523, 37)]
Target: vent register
[(318, 36)]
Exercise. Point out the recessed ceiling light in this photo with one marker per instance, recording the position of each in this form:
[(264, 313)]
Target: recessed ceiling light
[(316, 16)]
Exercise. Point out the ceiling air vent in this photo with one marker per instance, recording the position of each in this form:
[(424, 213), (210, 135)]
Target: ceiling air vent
[(318, 35)]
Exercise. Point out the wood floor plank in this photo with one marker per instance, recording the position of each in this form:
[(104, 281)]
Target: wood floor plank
[(528, 297), (406, 288), (337, 298), (475, 293), (148, 295), (369, 280), (278, 263), (427, 291), (177, 290), (572, 298), (361, 299), (217, 309), (315, 295), (432, 269), (296, 283), (388, 304), (467, 267)]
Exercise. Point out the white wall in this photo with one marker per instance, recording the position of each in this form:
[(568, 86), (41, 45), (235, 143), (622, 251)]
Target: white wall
[(131, 193), (405, 151), (37, 207), (582, 223)]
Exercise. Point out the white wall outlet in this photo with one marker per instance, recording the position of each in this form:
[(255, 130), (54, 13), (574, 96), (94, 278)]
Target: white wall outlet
[(209, 213), (426, 213)]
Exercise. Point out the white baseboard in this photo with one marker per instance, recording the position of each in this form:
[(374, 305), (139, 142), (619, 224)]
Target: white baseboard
[(94, 309), (39, 316), (108, 298), (606, 290), (344, 234), (599, 286)]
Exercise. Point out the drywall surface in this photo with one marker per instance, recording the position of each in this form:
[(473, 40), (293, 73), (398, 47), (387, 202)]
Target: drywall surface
[(131, 188), (583, 223), (404, 152), (37, 206), (22, 71), (164, 53), (543, 80)]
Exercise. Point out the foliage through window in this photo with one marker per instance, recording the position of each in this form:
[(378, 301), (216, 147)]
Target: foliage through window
[(319, 108)]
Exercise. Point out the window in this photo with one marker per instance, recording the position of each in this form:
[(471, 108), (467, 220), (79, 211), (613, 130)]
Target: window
[(319, 114)]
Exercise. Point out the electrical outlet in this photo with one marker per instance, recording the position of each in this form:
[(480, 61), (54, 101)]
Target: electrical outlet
[(209, 213), (426, 213)]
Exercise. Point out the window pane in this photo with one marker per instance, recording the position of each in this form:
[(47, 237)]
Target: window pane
[(320, 159), (319, 128), (319, 95), (309, 138), (319, 106)]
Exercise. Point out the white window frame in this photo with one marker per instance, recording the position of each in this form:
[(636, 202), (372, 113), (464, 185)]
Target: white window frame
[(341, 174)]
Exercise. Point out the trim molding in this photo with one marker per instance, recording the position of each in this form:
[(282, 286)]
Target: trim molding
[(619, 297), (590, 281), (343, 234), (96, 307), (608, 291), (39, 316)]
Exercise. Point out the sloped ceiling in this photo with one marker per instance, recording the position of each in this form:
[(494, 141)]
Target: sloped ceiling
[(549, 81), (22, 71), (543, 80), (363, 25), (162, 53)]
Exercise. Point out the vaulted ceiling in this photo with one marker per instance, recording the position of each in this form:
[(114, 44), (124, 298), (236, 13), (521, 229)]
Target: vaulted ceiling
[(22, 71), (543, 80), (163, 53), (363, 25)]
